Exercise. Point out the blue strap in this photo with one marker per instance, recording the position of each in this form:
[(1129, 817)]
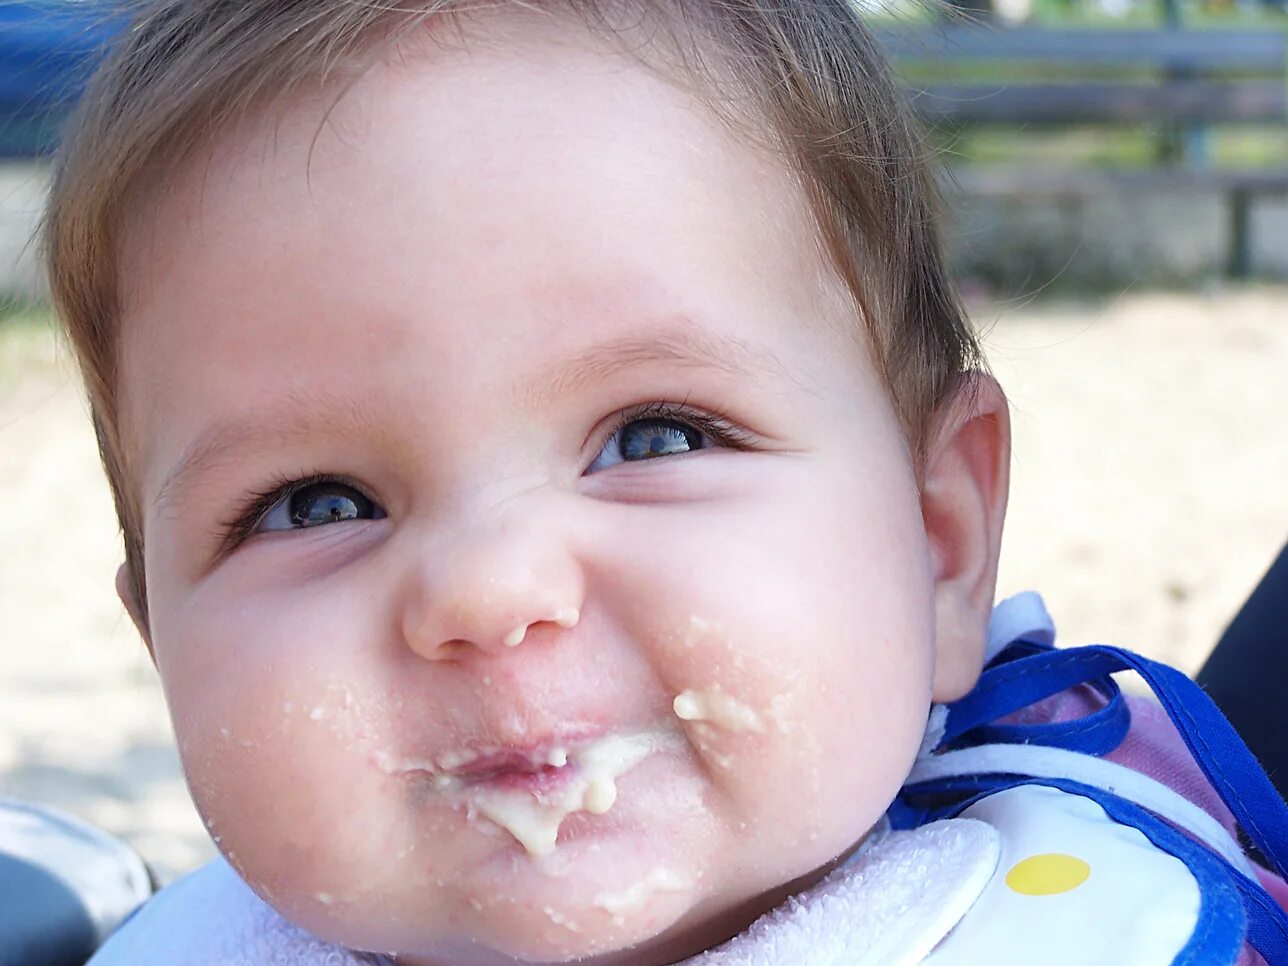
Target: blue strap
[(1097, 733), (1220, 753)]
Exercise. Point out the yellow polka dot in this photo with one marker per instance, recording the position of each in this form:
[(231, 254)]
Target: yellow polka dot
[(1047, 875)]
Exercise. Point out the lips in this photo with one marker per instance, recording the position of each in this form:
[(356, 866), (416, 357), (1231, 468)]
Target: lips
[(531, 769), (582, 762), (530, 791), (531, 766)]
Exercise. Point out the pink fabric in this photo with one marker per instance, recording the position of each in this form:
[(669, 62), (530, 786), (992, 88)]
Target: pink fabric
[(1154, 748)]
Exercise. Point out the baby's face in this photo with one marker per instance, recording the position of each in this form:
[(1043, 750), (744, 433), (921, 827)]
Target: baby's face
[(535, 563)]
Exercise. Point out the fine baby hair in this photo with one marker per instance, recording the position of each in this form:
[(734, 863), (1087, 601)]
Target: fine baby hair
[(803, 78), (562, 498)]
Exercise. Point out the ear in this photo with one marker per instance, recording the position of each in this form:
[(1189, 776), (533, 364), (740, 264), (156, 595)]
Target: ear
[(963, 503), (125, 590)]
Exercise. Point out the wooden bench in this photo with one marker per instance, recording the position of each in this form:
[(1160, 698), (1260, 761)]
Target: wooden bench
[(1186, 79)]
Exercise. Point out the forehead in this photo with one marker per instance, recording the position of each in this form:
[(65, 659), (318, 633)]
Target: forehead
[(528, 194)]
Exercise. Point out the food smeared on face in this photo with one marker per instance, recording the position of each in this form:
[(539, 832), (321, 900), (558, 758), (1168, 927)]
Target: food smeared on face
[(722, 710), (530, 793)]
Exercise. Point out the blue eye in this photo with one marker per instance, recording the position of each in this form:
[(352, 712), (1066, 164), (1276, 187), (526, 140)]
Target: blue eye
[(646, 439), (317, 504)]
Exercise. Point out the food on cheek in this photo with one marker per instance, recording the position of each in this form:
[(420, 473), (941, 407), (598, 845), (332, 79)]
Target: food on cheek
[(716, 716), (700, 629), (720, 709), (620, 904), (710, 717), (561, 920)]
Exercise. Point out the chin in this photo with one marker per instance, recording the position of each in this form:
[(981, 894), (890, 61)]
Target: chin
[(577, 920), (528, 916), (550, 934)]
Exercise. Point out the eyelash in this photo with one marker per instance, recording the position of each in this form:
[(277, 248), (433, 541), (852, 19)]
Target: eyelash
[(713, 423), (242, 525)]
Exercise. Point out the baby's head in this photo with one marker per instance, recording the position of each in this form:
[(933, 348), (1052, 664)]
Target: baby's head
[(556, 474)]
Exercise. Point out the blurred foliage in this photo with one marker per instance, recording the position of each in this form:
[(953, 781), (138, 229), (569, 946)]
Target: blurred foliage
[(1056, 14), (1121, 147), (1220, 14), (1107, 145), (20, 312)]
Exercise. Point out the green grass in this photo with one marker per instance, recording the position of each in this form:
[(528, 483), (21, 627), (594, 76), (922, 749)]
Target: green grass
[(1069, 14), (1120, 147)]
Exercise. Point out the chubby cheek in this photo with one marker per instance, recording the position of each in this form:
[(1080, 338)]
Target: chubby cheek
[(802, 674), (804, 747), (280, 730)]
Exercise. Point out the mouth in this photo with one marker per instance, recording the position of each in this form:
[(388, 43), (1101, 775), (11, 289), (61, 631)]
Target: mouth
[(532, 770), (474, 765), (529, 791)]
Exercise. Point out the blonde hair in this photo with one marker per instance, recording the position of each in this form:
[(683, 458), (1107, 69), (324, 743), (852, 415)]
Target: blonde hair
[(183, 71)]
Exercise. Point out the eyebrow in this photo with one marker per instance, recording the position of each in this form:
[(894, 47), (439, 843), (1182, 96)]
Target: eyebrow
[(682, 344), (300, 414)]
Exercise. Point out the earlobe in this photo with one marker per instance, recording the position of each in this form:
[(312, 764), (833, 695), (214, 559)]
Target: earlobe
[(130, 599), (963, 502)]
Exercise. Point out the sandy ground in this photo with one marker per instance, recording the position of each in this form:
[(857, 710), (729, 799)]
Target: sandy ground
[(1148, 497)]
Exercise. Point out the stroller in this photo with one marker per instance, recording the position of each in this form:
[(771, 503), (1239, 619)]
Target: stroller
[(65, 886)]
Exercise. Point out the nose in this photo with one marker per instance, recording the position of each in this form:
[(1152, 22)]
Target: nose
[(485, 587)]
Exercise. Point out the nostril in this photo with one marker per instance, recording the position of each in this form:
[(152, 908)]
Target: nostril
[(565, 617), (450, 650)]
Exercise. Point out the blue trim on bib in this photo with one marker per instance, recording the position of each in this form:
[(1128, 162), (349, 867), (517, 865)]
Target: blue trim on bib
[(1213, 743)]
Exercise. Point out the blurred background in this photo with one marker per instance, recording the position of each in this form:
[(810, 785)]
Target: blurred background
[(1116, 184)]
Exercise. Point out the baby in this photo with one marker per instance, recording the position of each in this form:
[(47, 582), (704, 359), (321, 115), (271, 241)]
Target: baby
[(557, 476)]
